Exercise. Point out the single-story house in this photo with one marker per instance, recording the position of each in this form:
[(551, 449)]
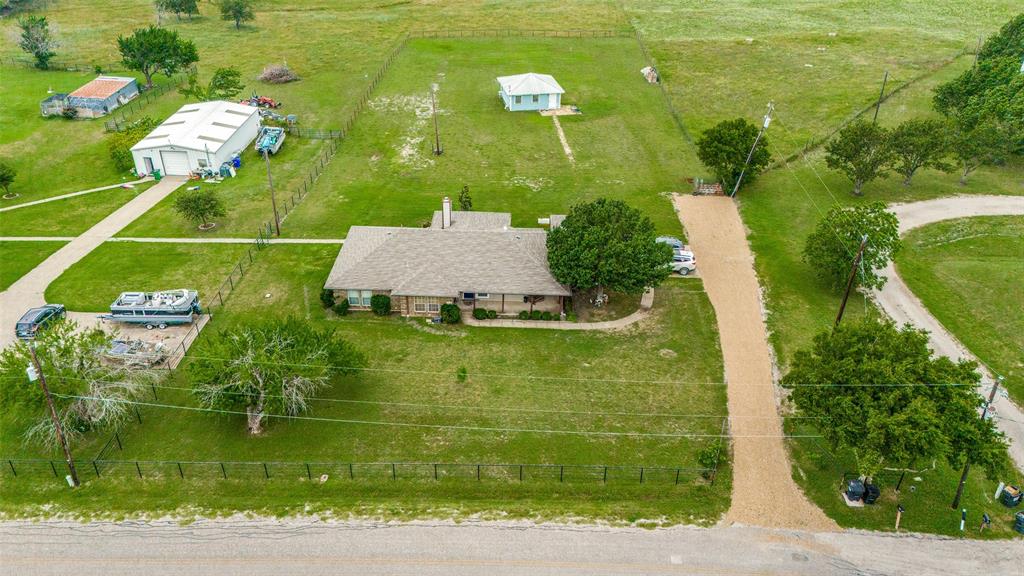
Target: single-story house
[(197, 136), (473, 259), (530, 91), (98, 97)]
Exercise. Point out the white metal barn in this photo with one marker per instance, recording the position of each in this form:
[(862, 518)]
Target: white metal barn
[(205, 134)]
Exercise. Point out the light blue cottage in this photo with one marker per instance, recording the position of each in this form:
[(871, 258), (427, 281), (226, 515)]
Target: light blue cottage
[(530, 91)]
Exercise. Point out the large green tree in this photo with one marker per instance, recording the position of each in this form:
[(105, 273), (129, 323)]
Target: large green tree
[(830, 249), (607, 244), (156, 50), (861, 151), (270, 368), (877, 390), (225, 84), (88, 392), (724, 147), (985, 144), (179, 7), (920, 143), (237, 10), (7, 175), (37, 40)]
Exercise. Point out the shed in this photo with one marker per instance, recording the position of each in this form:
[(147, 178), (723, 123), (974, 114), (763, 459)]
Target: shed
[(197, 136), (530, 91), (102, 95)]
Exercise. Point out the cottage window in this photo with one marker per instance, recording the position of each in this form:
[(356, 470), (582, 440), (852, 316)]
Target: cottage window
[(519, 99), (536, 98)]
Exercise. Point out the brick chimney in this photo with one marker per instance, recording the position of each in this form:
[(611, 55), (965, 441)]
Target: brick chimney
[(446, 213)]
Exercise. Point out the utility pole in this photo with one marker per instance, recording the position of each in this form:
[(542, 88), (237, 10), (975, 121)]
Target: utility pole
[(273, 200), (967, 465), (433, 108), (849, 280), (881, 95), (37, 372), (750, 155)]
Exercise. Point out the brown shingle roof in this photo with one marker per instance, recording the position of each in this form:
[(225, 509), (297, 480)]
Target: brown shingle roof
[(101, 87)]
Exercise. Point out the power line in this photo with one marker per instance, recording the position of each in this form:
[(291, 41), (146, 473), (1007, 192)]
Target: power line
[(436, 426)]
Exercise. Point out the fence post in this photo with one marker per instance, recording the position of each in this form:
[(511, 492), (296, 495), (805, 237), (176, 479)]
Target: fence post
[(96, 468), (477, 472), (605, 478), (561, 473), (180, 471), (435, 471), (677, 476), (220, 297), (393, 473), (118, 438), (520, 472), (153, 388), (266, 471), (54, 468), (138, 468), (223, 471), (11, 464), (309, 474), (351, 473), (641, 474)]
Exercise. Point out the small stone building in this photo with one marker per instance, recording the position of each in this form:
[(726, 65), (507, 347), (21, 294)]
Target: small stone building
[(473, 259)]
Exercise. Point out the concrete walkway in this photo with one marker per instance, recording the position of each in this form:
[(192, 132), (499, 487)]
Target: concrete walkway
[(646, 302), (29, 290), (896, 299), (764, 493), (70, 195)]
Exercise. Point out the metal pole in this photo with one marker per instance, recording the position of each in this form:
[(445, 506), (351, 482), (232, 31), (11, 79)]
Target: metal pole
[(750, 155), (849, 281), (967, 465), (273, 200), (880, 95), (433, 108), (53, 416)]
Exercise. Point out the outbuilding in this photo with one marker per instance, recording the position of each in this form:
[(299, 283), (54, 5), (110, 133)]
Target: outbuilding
[(197, 136), (530, 91), (98, 97)]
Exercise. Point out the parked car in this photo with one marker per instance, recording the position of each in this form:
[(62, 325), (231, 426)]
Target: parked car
[(38, 318), (683, 262), (675, 243)]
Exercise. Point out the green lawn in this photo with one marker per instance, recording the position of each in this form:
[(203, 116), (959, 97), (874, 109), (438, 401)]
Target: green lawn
[(246, 198), (68, 217), (19, 257), (970, 275), (925, 495), (96, 280), (385, 173)]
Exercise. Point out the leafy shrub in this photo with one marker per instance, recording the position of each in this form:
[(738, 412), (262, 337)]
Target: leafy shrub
[(70, 113), (277, 74), (450, 314), (327, 298), (479, 313), (120, 143), (460, 374), (545, 315), (524, 315), (570, 317), (535, 315), (341, 308), (491, 314), (708, 459), (380, 304)]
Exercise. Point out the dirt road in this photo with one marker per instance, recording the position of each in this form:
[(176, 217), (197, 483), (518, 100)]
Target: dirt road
[(764, 493), (900, 304)]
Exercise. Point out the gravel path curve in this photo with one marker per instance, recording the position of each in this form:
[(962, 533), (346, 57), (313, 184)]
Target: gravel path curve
[(764, 493)]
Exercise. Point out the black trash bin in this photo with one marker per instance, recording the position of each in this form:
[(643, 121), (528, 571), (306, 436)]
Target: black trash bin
[(1018, 523), (871, 493), (855, 490)]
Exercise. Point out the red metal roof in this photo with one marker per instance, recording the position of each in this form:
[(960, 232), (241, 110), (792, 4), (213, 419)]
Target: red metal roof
[(101, 87)]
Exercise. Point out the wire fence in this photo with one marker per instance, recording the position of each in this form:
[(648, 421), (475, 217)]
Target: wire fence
[(516, 33), (676, 116), (315, 133), (62, 65), (120, 119), (431, 471)]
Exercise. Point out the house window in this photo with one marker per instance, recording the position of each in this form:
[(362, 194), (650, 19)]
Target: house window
[(367, 294), (519, 99), (353, 297), (202, 163), (423, 304), (536, 98), (482, 295)]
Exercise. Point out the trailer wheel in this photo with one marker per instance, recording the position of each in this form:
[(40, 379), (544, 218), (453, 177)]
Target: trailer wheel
[(162, 325), (149, 326)]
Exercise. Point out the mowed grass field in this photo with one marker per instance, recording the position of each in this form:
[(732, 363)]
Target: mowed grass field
[(624, 143), (969, 273), (19, 257), (530, 396), (69, 216)]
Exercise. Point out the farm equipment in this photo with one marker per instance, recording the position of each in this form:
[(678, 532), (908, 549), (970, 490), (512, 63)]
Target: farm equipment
[(260, 102), (135, 353), (269, 140)]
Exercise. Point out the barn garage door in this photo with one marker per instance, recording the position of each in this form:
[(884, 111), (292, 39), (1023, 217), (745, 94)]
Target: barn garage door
[(175, 163)]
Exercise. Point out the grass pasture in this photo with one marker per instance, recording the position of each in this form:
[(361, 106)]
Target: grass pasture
[(625, 144), (20, 257), (67, 217), (969, 273)]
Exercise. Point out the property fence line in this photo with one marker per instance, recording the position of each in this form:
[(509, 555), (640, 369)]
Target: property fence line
[(676, 116), (36, 468), (120, 119), (516, 33), (315, 133), (62, 65)]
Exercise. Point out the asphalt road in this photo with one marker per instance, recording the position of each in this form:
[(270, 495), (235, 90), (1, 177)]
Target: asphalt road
[(271, 547)]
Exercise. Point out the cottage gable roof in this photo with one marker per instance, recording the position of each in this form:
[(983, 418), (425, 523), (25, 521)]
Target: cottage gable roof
[(444, 262), (529, 83), (201, 126), (102, 87)]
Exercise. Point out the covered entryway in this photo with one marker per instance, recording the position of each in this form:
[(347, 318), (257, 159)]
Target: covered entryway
[(175, 163)]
